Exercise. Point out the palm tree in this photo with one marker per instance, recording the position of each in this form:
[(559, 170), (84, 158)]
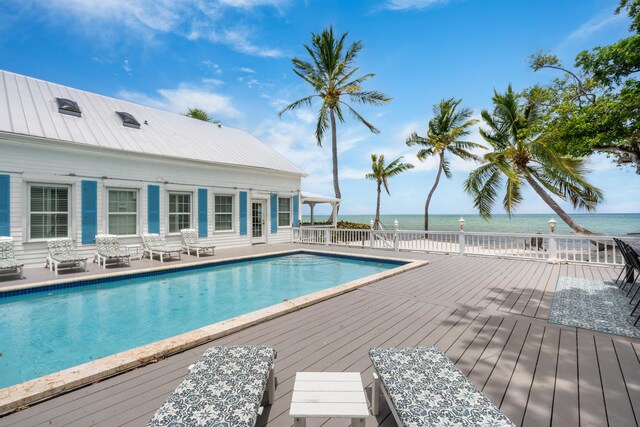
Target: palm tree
[(330, 73), (523, 157), (380, 173), (198, 114), (446, 129)]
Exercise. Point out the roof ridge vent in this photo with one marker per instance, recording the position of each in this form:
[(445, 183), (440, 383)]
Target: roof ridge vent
[(69, 107), (128, 120)]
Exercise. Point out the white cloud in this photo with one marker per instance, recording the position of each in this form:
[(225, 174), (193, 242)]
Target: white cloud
[(239, 39), (212, 82), (413, 4), (191, 19), (212, 66), (592, 26), (184, 96), (247, 70), (126, 66)]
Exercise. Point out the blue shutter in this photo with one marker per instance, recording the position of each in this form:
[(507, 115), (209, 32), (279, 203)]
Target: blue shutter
[(274, 213), (5, 225), (243, 213), (296, 201), (202, 213), (153, 208), (89, 211)]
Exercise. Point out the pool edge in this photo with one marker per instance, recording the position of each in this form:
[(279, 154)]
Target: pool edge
[(18, 396)]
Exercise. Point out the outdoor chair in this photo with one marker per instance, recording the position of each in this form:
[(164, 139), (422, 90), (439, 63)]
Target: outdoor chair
[(109, 250), (63, 256), (191, 242), (627, 270), (9, 266), (224, 388), (423, 388), (154, 244)]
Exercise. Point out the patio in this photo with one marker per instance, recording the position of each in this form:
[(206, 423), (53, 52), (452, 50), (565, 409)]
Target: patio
[(488, 315)]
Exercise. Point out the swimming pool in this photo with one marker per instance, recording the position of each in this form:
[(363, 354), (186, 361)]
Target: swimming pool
[(54, 329)]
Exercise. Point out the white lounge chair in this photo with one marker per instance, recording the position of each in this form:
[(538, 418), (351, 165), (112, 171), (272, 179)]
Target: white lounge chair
[(108, 250), (424, 388), (191, 242), (63, 256), (154, 244), (9, 266), (224, 388)]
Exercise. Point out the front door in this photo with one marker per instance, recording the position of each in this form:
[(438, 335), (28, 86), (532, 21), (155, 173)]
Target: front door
[(257, 222)]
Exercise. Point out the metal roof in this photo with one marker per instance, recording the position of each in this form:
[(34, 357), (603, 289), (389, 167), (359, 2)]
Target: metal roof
[(28, 107), (308, 197)]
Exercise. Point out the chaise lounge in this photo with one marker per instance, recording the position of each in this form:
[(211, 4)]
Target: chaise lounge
[(191, 242), (154, 244), (63, 256), (224, 388), (9, 266), (108, 250), (424, 388)]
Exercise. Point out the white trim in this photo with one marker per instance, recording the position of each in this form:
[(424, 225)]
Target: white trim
[(70, 229), (106, 212), (290, 211), (168, 206), (233, 212)]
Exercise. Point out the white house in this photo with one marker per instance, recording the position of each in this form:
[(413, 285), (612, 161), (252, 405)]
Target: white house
[(76, 164)]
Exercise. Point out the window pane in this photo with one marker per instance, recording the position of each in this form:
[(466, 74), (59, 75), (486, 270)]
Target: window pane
[(284, 204), (122, 224), (224, 222), (49, 206), (284, 219)]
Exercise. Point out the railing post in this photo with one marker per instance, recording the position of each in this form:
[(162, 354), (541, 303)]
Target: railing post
[(327, 236), (461, 236), (371, 235), (553, 248), (396, 239)]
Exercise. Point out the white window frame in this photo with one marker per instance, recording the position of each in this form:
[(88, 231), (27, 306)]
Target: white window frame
[(233, 213), (70, 231), (108, 213), (290, 212), (191, 225)]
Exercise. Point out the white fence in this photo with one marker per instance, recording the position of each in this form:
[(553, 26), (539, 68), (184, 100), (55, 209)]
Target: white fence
[(550, 247)]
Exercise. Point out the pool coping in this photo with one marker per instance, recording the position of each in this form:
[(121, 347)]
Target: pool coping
[(18, 396)]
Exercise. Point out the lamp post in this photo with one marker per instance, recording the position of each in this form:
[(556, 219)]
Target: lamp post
[(461, 236), (553, 250)]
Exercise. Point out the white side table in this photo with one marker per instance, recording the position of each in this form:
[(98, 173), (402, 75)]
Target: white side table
[(328, 395), (135, 251)]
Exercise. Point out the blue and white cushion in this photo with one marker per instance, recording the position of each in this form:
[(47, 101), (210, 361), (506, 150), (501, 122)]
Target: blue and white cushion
[(426, 389), (224, 388)]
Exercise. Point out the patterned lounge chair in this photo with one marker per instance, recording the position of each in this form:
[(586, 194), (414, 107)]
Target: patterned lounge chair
[(191, 242), (108, 250), (9, 266), (154, 244), (63, 256), (224, 388), (424, 388)]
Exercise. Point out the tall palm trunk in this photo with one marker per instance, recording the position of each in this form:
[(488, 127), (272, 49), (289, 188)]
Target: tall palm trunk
[(556, 208), (376, 224), (334, 156), (433, 189)]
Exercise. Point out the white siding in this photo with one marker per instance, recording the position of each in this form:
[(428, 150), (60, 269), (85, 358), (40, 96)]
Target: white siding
[(27, 162)]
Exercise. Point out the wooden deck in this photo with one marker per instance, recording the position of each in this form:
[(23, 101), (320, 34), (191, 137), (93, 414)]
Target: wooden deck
[(488, 316)]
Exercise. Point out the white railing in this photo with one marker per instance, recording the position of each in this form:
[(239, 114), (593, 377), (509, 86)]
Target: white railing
[(549, 247)]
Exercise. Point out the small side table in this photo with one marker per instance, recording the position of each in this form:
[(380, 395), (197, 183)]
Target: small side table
[(135, 251), (328, 395)]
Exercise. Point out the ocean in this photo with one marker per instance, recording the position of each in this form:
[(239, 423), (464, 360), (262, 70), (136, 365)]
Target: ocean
[(609, 224)]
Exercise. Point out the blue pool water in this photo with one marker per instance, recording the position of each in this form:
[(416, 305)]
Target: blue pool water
[(45, 332)]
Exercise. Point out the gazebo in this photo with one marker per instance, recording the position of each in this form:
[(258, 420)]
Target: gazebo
[(312, 200)]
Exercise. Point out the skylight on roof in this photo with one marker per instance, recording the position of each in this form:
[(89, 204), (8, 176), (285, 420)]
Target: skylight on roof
[(128, 120), (67, 106)]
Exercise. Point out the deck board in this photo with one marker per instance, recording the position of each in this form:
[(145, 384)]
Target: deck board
[(487, 315)]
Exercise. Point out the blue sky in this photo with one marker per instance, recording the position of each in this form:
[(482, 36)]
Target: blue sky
[(233, 58)]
